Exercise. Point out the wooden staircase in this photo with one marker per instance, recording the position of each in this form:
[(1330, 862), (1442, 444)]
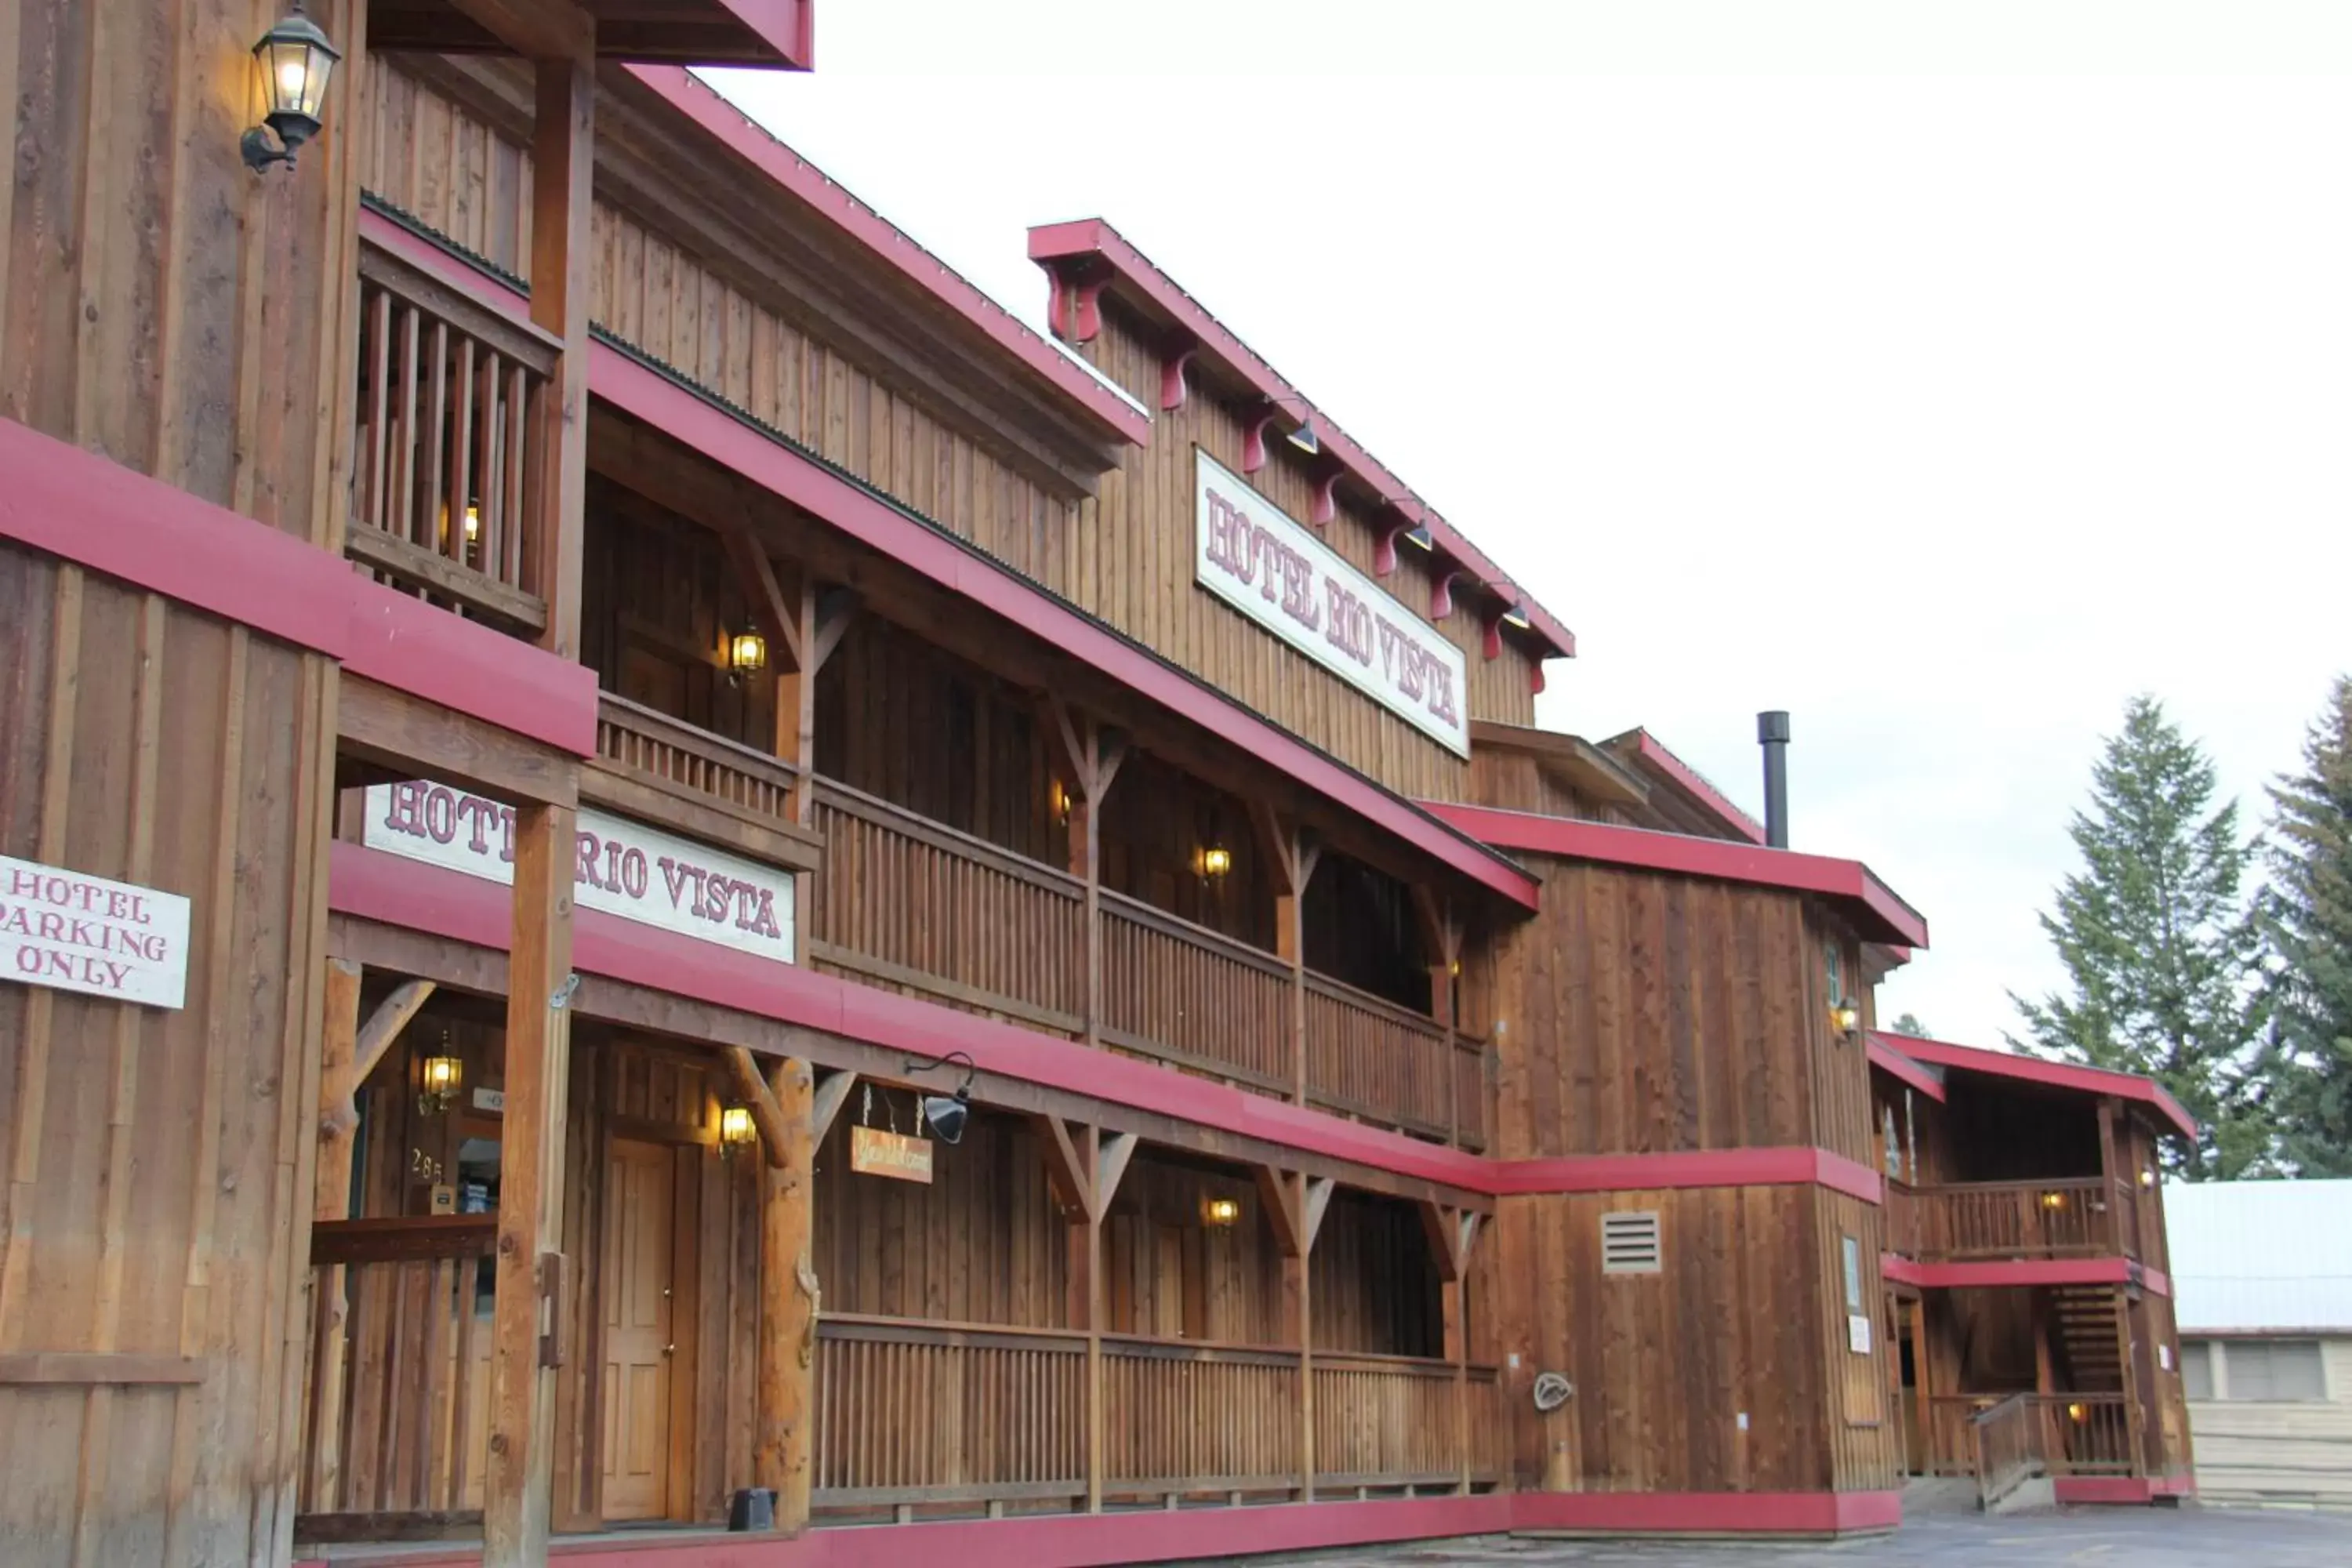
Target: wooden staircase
[(2086, 1342)]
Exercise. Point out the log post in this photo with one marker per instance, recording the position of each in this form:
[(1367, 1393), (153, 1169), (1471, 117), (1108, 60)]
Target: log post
[(562, 156), (1293, 856), (515, 1490), (332, 1200), (788, 1301), (1441, 936), (1090, 757), (1087, 1281)]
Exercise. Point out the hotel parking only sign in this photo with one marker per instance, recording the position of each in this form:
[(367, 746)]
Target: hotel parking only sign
[(1273, 569), (620, 867), (75, 932)]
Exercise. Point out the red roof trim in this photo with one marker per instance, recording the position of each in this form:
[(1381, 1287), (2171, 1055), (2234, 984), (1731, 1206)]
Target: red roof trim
[(890, 246), (1886, 917), (1650, 750), (2054, 1074), (1894, 1063), (372, 885), (83, 507), (2000, 1273), (1092, 238), (787, 26), (1684, 1168), (630, 385)]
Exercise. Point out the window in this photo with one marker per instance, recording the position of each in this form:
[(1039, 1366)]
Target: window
[(1629, 1243), (2197, 1368), (2274, 1370), (1852, 1250)]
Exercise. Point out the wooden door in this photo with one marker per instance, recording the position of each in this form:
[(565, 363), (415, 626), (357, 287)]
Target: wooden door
[(638, 1327)]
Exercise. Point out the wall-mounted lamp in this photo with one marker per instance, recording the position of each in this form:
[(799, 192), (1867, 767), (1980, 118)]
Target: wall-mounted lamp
[(746, 651), (2078, 1412), (1516, 616), (947, 1113), (438, 1080), (473, 523), (1212, 861), (2148, 1178), (296, 60), (1420, 534), (736, 1131), (1846, 1016), (1058, 800), (1220, 1211), (2053, 1200)]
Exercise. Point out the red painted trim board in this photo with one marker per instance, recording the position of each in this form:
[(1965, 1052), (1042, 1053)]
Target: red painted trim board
[(1885, 917), (787, 26), (1097, 1540), (2054, 1075), (1887, 1059), (1785, 1166), (1653, 752), (84, 508), (372, 885), (890, 247), (1994, 1274), (1091, 238), (2124, 1491), (1708, 1513), (638, 390)]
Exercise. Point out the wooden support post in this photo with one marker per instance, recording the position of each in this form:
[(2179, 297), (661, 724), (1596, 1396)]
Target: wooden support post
[(1091, 755), (2107, 1175), (515, 1499), (1293, 856), (1441, 935), (1091, 1156), (789, 1301), (562, 158), (1294, 1207), (332, 1200), (2135, 1412)]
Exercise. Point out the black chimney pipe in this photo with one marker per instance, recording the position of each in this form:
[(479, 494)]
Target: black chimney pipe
[(1772, 734)]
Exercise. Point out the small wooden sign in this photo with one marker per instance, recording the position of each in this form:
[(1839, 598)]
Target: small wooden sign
[(876, 1152)]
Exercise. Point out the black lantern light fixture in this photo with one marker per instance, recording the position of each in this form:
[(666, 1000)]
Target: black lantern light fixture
[(736, 1131), (439, 1079), (1846, 1016), (947, 1113), (747, 652), (296, 61)]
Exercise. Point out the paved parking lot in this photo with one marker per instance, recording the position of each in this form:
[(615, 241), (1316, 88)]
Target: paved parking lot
[(2189, 1537)]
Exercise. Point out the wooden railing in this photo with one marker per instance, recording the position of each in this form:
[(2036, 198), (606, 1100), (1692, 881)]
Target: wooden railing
[(1386, 1421), (1470, 1091), (1902, 1218), (908, 903), (445, 499), (2009, 1452), (911, 1414), (2067, 1433), (2128, 1220), (397, 1413), (2087, 1433), (649, 747), (2068, 1218), (1185, 1419), (1374, 1059), (1191, 996)]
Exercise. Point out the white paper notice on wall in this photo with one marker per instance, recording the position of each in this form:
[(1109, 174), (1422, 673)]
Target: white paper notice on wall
[(77, 932), (1857, 1332), (2163, 1357)]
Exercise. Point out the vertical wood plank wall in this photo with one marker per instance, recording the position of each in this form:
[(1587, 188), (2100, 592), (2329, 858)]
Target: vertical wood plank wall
[(160, 306), (158, 1162), (441, 152), (1866, 1448)]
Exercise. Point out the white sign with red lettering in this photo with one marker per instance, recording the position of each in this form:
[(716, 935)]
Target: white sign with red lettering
[(75, 932), (1258, 559), (623, 867)]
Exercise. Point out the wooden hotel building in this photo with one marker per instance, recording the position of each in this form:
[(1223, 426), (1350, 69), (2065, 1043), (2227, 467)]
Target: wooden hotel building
[(662, 873)]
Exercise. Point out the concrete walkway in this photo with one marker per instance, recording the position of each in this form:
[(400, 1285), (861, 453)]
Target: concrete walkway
[(2188, 1537)]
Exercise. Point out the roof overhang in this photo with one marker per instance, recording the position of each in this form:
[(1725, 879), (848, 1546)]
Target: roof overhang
[(1647, 755), (1583, 765), (1877, 914), (1903, 1069), (2050, 1074), (1086, 256), (775, 33)]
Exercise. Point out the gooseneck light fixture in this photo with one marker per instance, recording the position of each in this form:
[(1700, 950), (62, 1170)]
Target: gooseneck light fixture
[(296, 61), (947, 1113)]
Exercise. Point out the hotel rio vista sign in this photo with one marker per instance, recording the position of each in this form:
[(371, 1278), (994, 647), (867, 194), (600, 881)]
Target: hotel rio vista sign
[(621, 867), (1273, 569)]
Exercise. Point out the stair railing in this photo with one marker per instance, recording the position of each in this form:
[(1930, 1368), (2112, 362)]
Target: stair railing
[(2009, 1447)]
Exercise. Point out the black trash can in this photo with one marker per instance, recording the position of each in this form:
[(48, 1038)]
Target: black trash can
[(754, 1508)]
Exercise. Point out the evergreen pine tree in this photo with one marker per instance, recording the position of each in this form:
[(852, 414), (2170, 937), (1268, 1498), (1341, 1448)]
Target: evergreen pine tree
[(2307, 916), (2158, 941), (1909, 1024)]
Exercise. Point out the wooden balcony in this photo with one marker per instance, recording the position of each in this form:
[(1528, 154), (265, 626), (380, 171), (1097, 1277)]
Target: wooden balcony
[(445, 493), (921, 1415), (1985, 1221), (662, 770)]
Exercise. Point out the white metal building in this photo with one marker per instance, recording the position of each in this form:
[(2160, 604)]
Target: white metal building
[(2261, 1278)]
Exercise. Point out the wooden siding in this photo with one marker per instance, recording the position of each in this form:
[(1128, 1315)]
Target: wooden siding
[(1841, 1071), (1515, 781), (159, 1163), (443, 152), (1655, 1012), (2293, 1454), (1664, 1364), (1866, 1444)]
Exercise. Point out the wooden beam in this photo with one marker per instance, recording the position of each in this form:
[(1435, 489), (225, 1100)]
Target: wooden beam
[(1070, 1179), (789, 1299), (338, 1121), (1467, 1219), (832, 1093), (1314, 1202), (776, 611), (515, 1488), (383, 1027), (1091, 1267), (563, 162), (1278, 1191), (767, 1114), (1111, 1168), (535, 29), (1442, 1226), (836, 607), (408, 737)]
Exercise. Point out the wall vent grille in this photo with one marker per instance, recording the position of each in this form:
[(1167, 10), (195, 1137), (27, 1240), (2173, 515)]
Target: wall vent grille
[(1629, 1243)]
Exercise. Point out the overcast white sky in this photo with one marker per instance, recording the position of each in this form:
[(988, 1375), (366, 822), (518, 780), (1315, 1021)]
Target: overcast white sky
[(1788, 360)]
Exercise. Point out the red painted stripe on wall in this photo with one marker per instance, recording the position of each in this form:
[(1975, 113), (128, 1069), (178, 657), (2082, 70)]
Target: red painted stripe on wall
[(1775, 1166), (83, 507), (1996, 1274), (1708, 1513)]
